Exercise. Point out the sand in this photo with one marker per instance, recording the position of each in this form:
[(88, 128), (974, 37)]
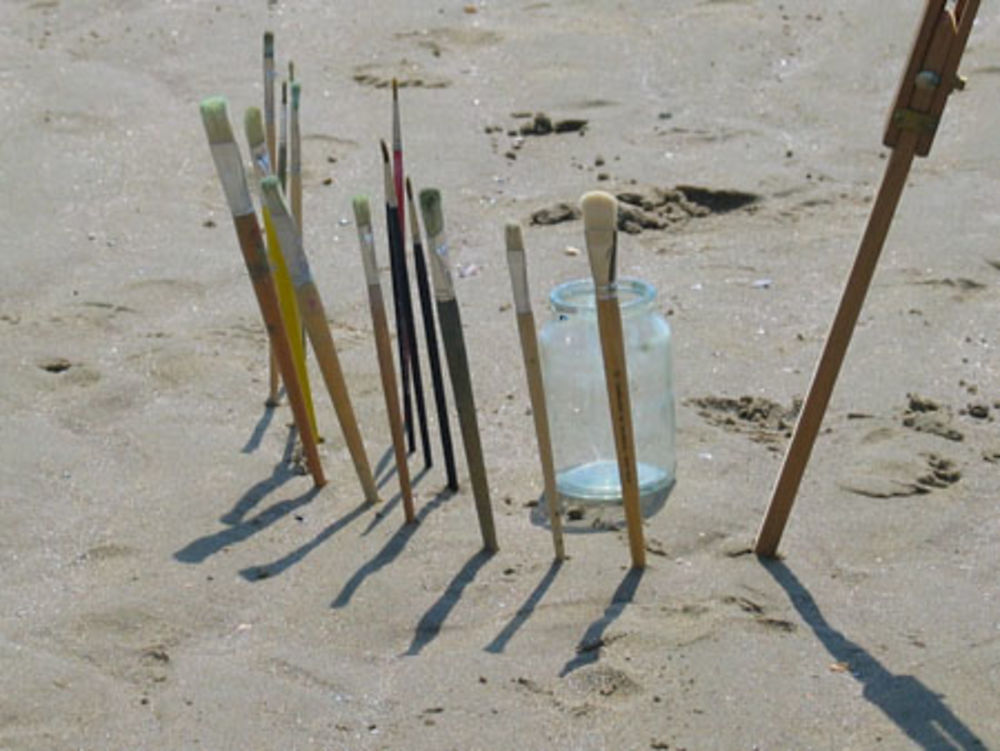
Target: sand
[(171, 581)]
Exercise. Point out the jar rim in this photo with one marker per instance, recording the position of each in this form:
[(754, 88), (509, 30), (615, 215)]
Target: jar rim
[(577, 295)]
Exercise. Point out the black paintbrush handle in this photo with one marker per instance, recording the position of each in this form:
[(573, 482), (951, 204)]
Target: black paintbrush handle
[(427, 309), (458, 368), (411, 336), (395, 264)]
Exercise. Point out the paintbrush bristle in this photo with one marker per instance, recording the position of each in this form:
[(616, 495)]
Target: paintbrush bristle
[(409, 189), (600, 218), (599, 210), (385, 151), (517, 265), (253, 124), (362, 211), (395, 89), (430, 207), (269, 44), (512, 235), (215, 115), (296, 94)]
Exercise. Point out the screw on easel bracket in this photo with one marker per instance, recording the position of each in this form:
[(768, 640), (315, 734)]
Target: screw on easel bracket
[(931, 73)]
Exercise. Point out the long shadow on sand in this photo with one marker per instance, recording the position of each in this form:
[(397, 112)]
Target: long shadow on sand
[(499, 643), (198, 550), (916, 710), (431, 622), (253, 442), (239, 526), (389, 552), (267, 570), (386, 510), (589, 648), (283, 472)]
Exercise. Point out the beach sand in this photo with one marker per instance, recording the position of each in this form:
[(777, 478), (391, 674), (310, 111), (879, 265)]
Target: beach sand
[(171, 581)]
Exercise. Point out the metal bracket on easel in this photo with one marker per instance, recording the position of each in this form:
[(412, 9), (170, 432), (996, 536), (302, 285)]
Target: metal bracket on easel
[(931, 73)]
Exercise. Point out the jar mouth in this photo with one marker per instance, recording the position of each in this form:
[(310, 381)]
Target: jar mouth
[(577, 295)]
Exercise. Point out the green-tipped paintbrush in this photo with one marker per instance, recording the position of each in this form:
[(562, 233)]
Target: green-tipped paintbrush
[(229, 164), (450, 321)]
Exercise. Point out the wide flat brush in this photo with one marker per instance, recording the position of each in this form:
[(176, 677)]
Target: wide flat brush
[(383, 349), (282, 280), (318, 331), (536, 389), (430, 336), (600, 216), (450, 321), (229, 165)]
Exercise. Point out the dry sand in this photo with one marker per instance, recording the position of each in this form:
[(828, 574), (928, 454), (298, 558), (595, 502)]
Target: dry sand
[(169, 582)]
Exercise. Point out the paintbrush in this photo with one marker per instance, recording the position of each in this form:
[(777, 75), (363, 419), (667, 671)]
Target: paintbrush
[(269, 76), (532, 368), (318, 331), (272, 394), (283, 282), (600, 215), (450, 321), (295, 154), (406, 329), (397, 159), (397, 306), (283, 136), (229, 165), (427, 309), (383, 348)]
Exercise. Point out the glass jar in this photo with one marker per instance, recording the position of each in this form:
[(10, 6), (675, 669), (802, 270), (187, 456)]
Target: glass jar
[(577, 398)]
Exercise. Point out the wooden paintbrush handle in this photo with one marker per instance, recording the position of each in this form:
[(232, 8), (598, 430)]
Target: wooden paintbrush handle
[(536, 390), (450, 321), (383, 348), (609, 323), (255, 257), (318, 330)]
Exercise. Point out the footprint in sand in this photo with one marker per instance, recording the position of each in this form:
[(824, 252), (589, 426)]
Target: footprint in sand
[(658, 208), (765, 421), (924, 415), (892, 471)]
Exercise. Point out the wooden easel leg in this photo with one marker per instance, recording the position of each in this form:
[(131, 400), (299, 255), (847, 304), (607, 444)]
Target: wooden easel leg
[(825, 376)]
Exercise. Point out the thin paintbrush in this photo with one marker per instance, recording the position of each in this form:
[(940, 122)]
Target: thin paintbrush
[(383, 348), (404, 312), (458, 365), (272, 394), (295, 155), (430, 336), (283, 282), (411, 326), (283, 136), (397, 306), (533, 370), (600, 215), (269, 76), (397, 159), (229, 165), (314, 316)]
